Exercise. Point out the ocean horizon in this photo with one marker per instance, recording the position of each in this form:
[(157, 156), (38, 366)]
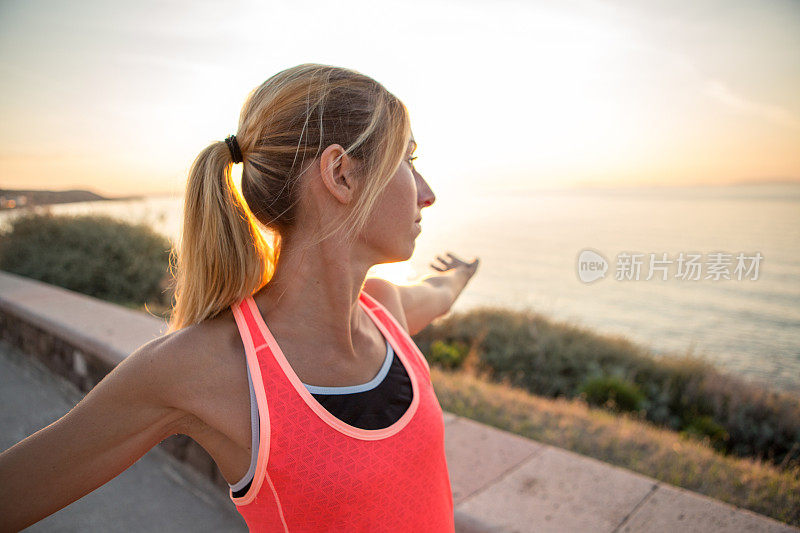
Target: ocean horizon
[(529, 243)]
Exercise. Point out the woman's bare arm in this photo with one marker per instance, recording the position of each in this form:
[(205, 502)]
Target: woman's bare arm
[(428, 298), (114, 425)]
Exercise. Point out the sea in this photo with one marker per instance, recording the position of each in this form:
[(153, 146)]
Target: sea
[(712, 271)]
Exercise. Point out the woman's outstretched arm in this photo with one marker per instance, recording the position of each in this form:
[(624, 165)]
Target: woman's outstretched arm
[(429, 298), (114, 425)]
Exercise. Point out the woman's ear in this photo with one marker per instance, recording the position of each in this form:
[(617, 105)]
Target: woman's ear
[(336, 171)]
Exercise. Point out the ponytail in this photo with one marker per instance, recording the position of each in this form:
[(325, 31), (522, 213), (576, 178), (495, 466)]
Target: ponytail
[(223, 255)]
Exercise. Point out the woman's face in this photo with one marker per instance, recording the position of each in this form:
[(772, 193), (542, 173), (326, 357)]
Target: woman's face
[(393, 226)]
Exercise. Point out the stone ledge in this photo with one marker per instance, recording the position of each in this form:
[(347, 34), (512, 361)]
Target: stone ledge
[(109, 331), (670, 508)]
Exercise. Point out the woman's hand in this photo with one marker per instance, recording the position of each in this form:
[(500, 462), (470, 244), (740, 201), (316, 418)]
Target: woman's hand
[(458, 264), (455, 274)]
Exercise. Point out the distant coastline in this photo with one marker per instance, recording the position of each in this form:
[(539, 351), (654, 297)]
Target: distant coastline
[(24, 198)]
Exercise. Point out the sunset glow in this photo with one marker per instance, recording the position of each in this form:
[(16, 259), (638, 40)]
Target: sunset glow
[(508, 95)]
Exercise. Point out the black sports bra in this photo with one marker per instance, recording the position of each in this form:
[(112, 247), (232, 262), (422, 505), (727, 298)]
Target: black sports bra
[(377, 404)]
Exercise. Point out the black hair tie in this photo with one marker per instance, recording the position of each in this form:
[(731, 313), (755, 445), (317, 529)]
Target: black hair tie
[(233, 146)]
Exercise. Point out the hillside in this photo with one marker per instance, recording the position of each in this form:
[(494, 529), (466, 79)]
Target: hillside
[(17, 198)]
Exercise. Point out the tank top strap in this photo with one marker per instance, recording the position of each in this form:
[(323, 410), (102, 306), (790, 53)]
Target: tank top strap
[(247, 323), (253, 341), (393, 325)]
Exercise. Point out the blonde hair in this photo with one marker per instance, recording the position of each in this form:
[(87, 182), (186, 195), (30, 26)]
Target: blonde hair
[(284, 123)]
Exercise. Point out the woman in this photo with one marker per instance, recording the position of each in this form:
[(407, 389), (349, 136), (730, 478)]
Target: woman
[(296, 374)]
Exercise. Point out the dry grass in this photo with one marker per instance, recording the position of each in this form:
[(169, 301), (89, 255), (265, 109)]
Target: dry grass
[(624, 441)]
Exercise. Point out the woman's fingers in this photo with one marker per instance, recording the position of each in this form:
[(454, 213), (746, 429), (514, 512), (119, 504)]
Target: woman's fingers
[(453, 262), (446, 266)]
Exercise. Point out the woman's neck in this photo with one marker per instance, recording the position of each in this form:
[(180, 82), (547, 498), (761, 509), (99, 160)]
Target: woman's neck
[(314, 295)]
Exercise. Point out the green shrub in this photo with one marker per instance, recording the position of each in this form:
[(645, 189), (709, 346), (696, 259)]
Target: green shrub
[(614, 392), (704, 428), (94, 255), (448, 355)]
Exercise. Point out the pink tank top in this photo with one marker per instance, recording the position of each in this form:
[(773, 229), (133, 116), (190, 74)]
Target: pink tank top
[(316, 473)]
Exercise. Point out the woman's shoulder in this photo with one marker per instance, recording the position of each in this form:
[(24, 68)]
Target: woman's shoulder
[(204, 362), (193, 345), (388, 295)]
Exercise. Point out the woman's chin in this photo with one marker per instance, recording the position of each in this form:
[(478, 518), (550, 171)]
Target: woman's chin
[(413, 247), (410, 251)]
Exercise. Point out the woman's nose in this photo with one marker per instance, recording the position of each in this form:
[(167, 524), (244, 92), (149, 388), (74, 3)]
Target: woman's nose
[(425, 196)]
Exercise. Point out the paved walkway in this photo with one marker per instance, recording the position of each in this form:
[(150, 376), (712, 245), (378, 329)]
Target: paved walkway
[(500, 481)]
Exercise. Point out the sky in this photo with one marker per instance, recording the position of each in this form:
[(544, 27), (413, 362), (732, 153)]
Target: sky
[(120, 97)]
